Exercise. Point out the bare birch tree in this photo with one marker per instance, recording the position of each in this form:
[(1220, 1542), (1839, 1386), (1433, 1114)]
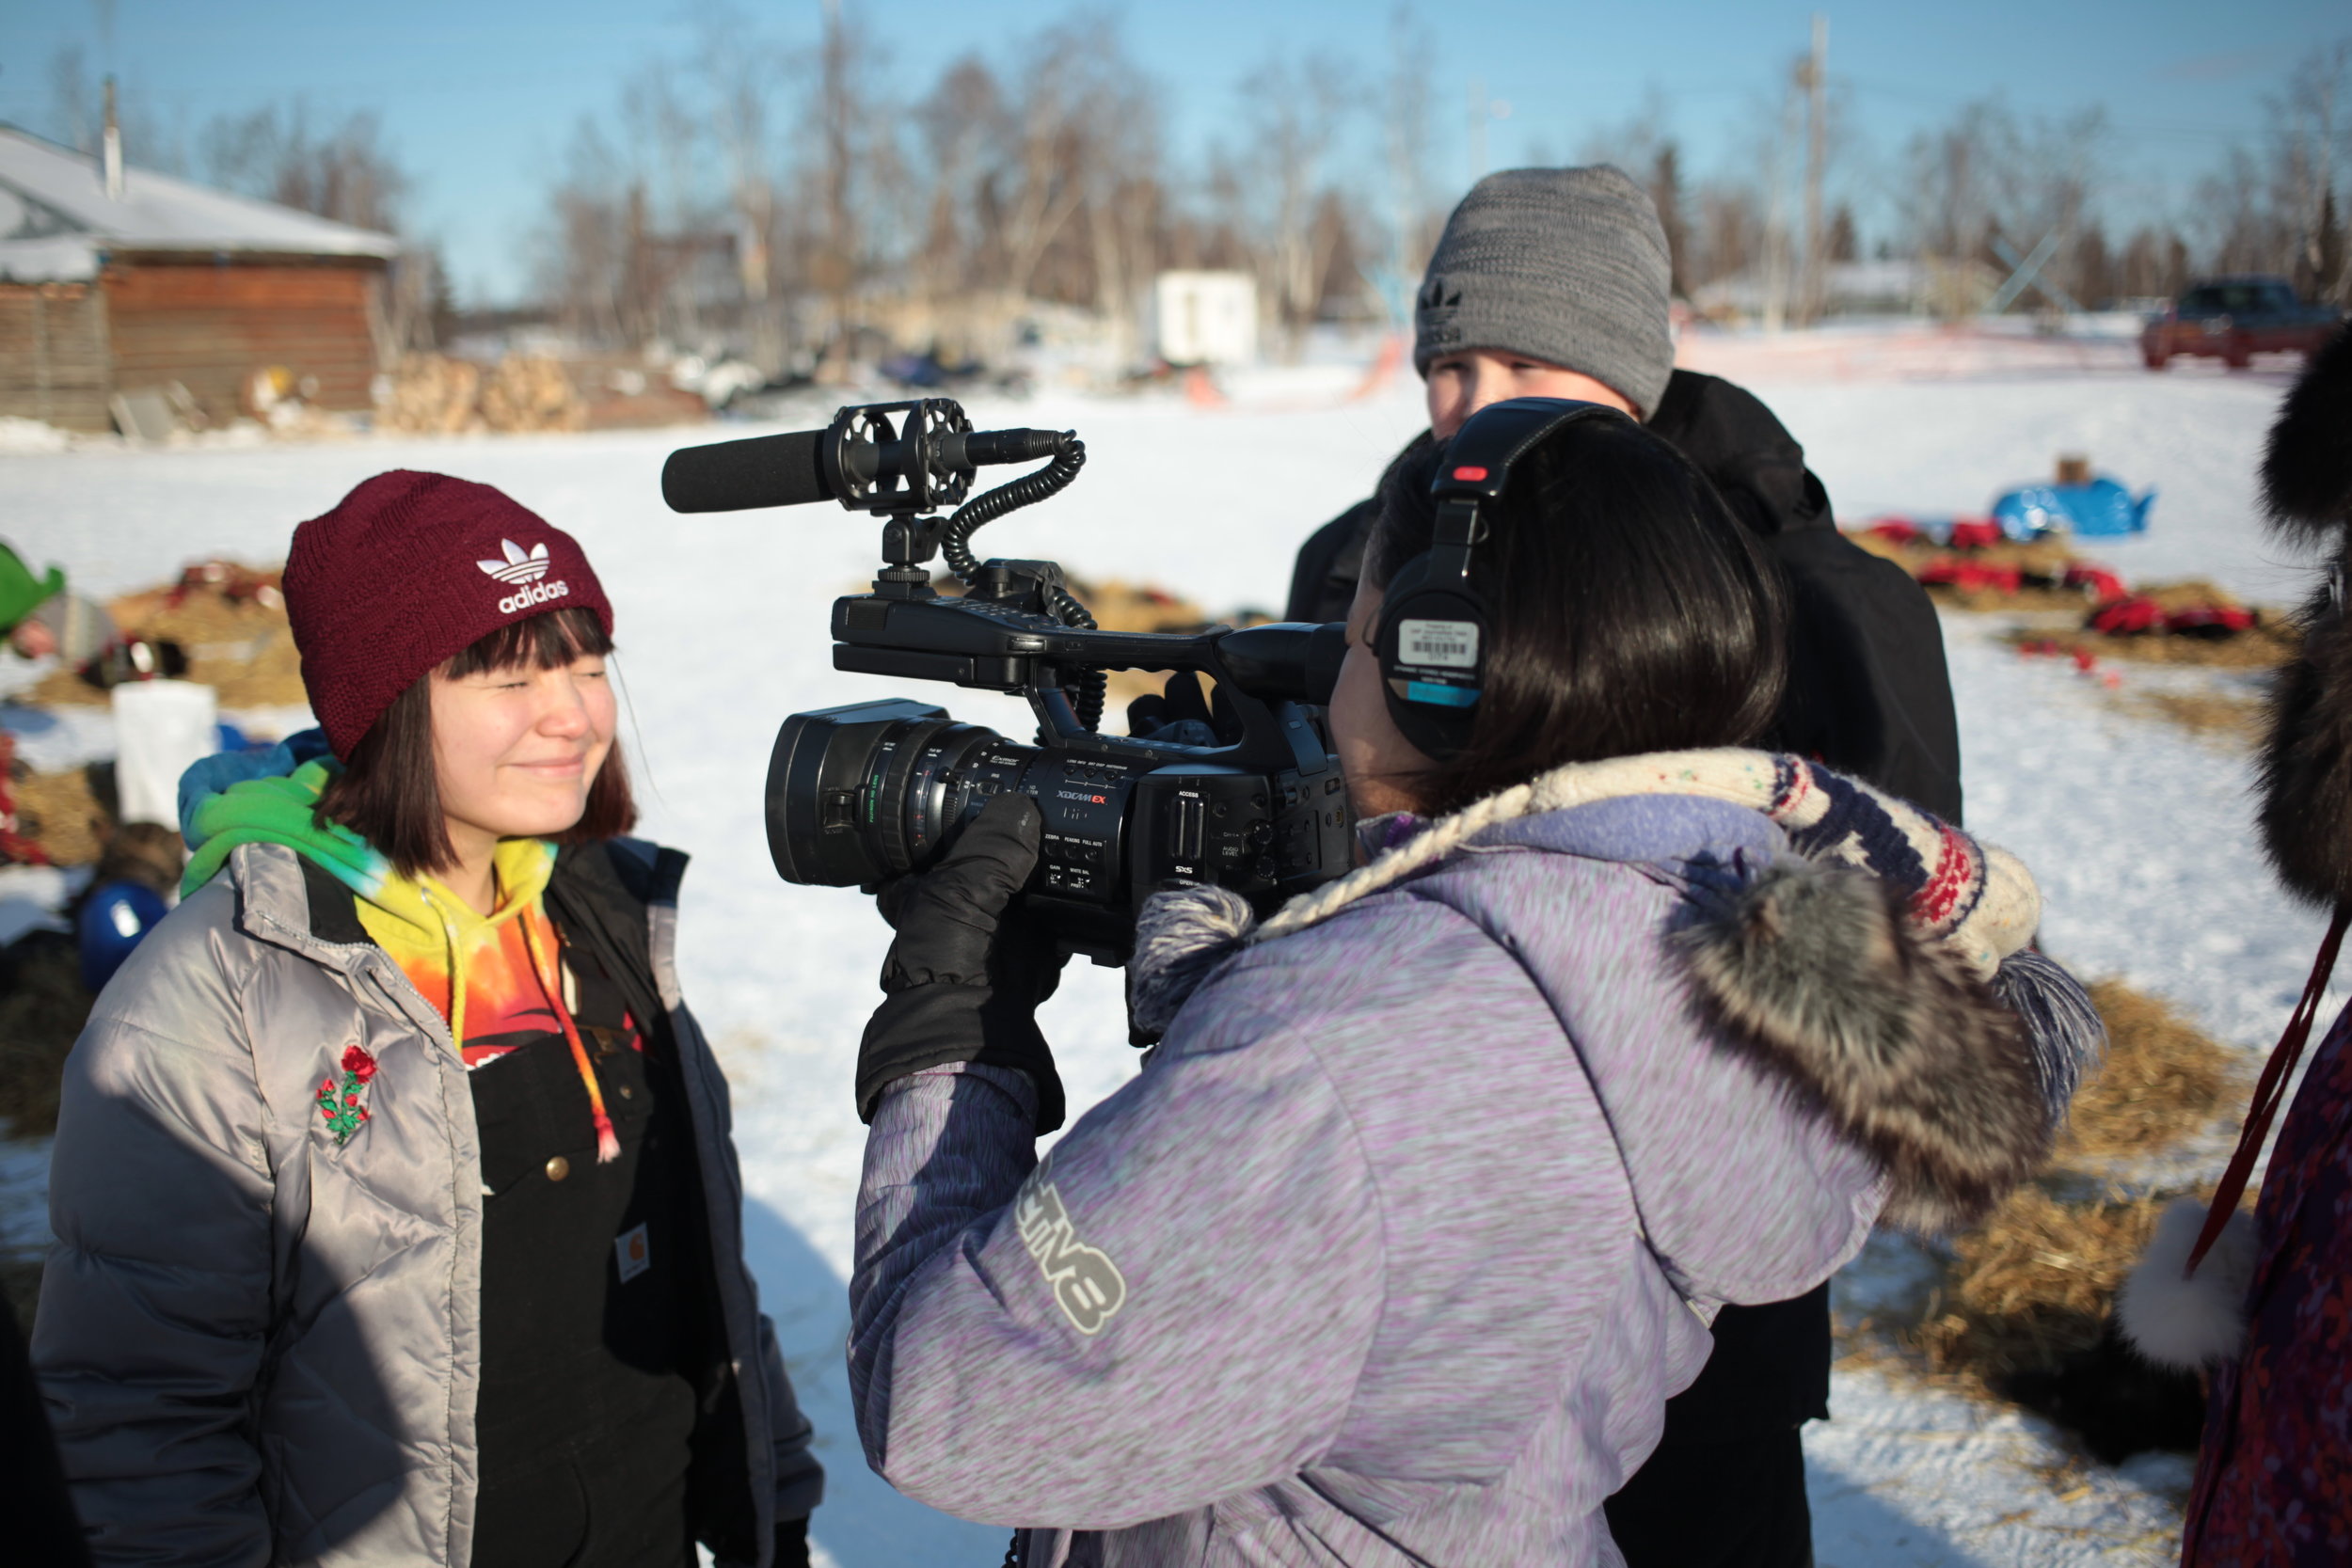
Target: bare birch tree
[(1294, 113)]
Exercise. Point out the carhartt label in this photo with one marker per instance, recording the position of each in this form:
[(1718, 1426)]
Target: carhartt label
[(630, 1248), (1447, 644), (1085, 1282)]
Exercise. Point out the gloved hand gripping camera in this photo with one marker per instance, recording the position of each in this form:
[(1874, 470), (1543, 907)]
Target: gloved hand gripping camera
[(871, 791)]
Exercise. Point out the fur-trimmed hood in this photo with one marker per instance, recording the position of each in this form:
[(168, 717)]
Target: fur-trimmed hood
[(1873, 959), (2307, 758)]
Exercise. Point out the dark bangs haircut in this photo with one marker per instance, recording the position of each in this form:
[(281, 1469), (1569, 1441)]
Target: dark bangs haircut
[(388, 794), (1631, 610)]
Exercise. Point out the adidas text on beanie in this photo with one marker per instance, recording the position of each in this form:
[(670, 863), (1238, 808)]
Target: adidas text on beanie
[(1565, 266), (406, 572)]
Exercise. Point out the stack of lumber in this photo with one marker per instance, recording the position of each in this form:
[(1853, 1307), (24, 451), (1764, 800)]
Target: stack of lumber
[(432, 395), (531, 393)]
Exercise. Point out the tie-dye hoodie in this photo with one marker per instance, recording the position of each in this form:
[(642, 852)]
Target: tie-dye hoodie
[(497, 978)]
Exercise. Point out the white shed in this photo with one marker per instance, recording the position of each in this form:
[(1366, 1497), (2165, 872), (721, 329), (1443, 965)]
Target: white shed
[(1206, 318)]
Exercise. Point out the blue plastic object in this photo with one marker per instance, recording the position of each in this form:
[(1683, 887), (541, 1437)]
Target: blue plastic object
[(114, 917), (2100, 510)]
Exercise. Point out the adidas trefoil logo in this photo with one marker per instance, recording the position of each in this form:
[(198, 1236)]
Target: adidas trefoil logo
[(522, 571), (518, 568)]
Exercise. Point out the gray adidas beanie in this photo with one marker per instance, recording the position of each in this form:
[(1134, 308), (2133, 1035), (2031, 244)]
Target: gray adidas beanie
[(1566, 265)]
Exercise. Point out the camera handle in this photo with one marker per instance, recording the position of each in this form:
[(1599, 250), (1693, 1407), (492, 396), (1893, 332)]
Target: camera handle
[(1268, 670)]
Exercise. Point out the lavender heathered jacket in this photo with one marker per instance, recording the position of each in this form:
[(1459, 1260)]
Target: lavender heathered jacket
[(1390, 1254)]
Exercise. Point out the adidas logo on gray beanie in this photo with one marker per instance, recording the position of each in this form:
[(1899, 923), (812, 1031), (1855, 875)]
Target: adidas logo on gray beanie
[(1566, 265)]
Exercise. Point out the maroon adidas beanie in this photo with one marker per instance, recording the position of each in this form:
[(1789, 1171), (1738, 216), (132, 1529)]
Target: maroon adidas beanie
[(409, 570)]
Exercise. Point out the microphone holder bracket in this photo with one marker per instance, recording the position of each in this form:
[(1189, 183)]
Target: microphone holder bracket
[(907, 542), (898, 470)]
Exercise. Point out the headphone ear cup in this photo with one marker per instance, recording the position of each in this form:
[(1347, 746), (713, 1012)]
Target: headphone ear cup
[(1432, 648)]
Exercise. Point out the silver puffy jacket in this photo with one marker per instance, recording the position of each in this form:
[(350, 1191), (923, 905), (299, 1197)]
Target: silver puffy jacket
[(259, 1346)]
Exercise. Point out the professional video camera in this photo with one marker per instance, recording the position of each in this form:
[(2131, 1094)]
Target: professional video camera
[(871, 790)]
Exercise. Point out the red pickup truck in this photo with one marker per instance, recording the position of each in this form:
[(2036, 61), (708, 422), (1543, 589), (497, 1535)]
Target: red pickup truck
[(2232, 319)]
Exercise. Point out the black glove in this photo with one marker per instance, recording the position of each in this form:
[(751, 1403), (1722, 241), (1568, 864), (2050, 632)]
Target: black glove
[(792, 1543), (966, 972), (1181, 714)]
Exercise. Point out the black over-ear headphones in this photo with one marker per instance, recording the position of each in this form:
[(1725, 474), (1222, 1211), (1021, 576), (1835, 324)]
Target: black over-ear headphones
[(1436, 628)]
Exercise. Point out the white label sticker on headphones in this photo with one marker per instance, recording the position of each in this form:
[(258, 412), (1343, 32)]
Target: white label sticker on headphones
[(1447, 644)]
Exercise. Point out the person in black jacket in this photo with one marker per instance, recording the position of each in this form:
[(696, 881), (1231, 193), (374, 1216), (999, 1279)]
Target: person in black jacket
[(33, 1496), (1553, 282)]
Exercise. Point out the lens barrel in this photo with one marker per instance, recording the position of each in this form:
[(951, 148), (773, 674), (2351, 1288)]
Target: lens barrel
[(862, 793), (873, 790)]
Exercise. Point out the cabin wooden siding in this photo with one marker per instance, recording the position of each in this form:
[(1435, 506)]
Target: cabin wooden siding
[(52, 354), (211, 325)]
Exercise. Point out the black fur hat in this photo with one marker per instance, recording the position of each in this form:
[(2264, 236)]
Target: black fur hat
[(2307, 469), (2307, 759)]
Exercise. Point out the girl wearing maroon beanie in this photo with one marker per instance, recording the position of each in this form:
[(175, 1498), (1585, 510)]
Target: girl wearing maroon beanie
[(398, 1212)]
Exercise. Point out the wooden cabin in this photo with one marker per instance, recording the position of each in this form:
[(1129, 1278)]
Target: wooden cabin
[(144, 281)]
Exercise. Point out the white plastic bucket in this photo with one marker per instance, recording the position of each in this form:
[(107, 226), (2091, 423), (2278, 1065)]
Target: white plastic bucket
[(161, 727)]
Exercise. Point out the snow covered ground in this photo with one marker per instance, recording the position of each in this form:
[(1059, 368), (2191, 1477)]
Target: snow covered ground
[(2141, 834)]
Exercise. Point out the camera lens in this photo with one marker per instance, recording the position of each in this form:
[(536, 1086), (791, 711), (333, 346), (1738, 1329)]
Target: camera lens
[(873, 790)]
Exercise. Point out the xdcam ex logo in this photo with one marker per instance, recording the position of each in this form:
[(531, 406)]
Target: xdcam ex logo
[(526, 570)]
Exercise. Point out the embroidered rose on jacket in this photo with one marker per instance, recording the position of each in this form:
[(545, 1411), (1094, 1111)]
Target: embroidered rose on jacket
[(342, 1102)]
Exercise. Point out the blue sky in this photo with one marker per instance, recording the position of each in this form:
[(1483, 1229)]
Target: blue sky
[(479, 97)]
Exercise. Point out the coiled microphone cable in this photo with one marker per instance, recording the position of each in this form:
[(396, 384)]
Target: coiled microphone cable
[(955, 546)]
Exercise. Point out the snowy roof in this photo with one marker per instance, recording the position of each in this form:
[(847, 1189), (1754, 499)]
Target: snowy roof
[(57, 219)]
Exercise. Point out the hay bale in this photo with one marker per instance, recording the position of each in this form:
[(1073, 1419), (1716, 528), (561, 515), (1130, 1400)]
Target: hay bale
[(2217, 714), (2041, 566), (2190, 593), (2044, 557), (2022, 1310), (432, 395), (62, 813), (2264, 645), (229, 619), (2025, 1315), (2163, 1079), (2032, 1286), (531, 393), (2025, 1307)]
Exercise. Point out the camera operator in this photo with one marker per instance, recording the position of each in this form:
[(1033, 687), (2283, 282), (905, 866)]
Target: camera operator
[(1395, 1249), (1554, 282)]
